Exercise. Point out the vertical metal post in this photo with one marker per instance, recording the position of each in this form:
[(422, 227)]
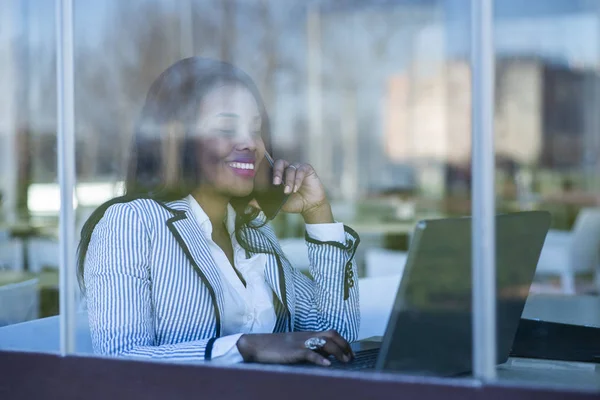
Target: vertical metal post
[(484, 235), (66, 172), (9, 159)]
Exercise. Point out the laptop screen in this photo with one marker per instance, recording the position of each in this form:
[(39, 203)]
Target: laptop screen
[(430, 329)]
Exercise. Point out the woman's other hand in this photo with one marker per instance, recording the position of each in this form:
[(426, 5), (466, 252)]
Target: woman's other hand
[(289, 348)]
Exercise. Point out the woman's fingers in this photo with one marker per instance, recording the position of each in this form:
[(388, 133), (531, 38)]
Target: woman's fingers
[(278, 171), (316, 358), (332, 348), (340, 341), (300, 175), (290, 177)]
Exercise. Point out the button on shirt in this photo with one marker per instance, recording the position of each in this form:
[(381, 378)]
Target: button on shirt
[(247, 309)]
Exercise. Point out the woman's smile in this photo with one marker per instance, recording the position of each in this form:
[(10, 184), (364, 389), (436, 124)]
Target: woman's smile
[(242, 169)]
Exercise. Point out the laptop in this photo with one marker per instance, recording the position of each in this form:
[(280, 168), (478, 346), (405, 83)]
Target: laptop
[(430, 328)]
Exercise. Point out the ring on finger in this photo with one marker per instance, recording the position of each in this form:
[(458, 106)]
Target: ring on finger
[(292, 166), (315, 343)]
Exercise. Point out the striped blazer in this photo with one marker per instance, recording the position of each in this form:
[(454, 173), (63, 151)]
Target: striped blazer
[(153, 289)]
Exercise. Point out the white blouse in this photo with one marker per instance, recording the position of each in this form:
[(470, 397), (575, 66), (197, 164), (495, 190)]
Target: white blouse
[(247, 309)]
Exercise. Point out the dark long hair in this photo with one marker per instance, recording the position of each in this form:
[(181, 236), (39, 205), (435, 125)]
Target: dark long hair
[(163, 164)]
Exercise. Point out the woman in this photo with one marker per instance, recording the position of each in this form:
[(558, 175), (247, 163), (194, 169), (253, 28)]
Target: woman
[(184, 267)]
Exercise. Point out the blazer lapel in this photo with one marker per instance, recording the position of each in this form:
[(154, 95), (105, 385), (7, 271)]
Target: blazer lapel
[(277, 275), (281, 282), (189, 237)]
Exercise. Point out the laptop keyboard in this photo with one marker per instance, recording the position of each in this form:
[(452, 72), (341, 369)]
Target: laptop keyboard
[(364, 359)]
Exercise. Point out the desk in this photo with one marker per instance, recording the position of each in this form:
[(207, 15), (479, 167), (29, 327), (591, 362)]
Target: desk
[(383, 228), (47, 284), (47, 279), (390, 227), (377, 296), (576, 310), (104, 377), (546, 373), (34, 376)]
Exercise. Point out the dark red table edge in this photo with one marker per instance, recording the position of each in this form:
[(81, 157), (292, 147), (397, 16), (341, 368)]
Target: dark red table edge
[(47, 376)]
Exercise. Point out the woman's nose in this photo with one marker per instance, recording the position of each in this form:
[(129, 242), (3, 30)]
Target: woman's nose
[(246, 142)]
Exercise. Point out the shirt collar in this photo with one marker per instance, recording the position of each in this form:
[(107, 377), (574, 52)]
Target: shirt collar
[(203, 220)]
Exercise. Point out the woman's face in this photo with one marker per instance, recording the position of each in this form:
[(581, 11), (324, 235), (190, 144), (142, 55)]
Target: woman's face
[(231, 147)]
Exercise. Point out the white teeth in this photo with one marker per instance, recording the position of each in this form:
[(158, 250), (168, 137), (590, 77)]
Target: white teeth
[(241, 165)]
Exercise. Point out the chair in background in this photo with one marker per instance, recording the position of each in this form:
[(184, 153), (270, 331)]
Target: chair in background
[(43, 254), (19, 302), (568, 253), (11, 251), (44, 251), (383, 262)]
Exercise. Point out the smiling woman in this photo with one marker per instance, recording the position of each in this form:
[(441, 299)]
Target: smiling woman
[(226, 170), (184, 266)]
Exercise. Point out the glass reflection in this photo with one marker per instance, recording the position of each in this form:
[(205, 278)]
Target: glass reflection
[(375, 95)]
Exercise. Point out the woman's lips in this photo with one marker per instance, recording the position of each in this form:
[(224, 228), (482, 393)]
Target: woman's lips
[(243, 169)]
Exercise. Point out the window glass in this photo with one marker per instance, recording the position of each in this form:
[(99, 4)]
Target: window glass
[(29, 193), (375, 96), (547, 159)]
